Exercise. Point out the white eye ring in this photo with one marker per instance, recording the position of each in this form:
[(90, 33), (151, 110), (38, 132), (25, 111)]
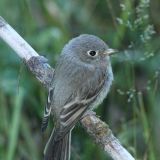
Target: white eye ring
[(92, 53)]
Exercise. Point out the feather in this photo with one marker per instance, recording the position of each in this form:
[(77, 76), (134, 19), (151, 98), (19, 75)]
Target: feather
[(47, 111)]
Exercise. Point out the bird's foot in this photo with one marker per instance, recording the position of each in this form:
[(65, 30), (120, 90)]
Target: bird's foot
[(88, 113)]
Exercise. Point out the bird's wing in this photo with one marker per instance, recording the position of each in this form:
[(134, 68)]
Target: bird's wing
[(73, 110), (47, 110)]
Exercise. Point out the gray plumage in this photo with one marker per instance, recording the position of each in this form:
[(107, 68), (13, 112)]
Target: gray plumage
[(82, 79), (47, 111)]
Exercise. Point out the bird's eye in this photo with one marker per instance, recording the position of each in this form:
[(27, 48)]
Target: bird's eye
[(92, 53)]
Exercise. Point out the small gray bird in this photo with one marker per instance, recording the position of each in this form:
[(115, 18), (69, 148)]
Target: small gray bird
[(82, 79)]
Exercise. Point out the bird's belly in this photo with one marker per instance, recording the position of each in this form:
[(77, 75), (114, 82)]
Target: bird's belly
[(104, 91)]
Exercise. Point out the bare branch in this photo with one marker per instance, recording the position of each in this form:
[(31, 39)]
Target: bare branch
[(41, 69), (102, 135), (15, 41), (38, 65)]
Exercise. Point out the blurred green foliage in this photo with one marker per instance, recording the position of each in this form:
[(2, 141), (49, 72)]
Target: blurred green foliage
[(133, 105)]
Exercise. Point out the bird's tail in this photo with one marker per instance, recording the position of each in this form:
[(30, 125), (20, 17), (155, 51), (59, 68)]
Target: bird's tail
[(58, 150)]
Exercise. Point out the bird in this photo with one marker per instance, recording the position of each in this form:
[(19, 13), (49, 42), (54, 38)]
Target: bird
[(82, 79)]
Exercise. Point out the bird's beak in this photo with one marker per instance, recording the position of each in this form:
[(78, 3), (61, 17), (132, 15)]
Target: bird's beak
[(110, 51)]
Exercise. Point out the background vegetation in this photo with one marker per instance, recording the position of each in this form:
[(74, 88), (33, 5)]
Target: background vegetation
[(133, 105)]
